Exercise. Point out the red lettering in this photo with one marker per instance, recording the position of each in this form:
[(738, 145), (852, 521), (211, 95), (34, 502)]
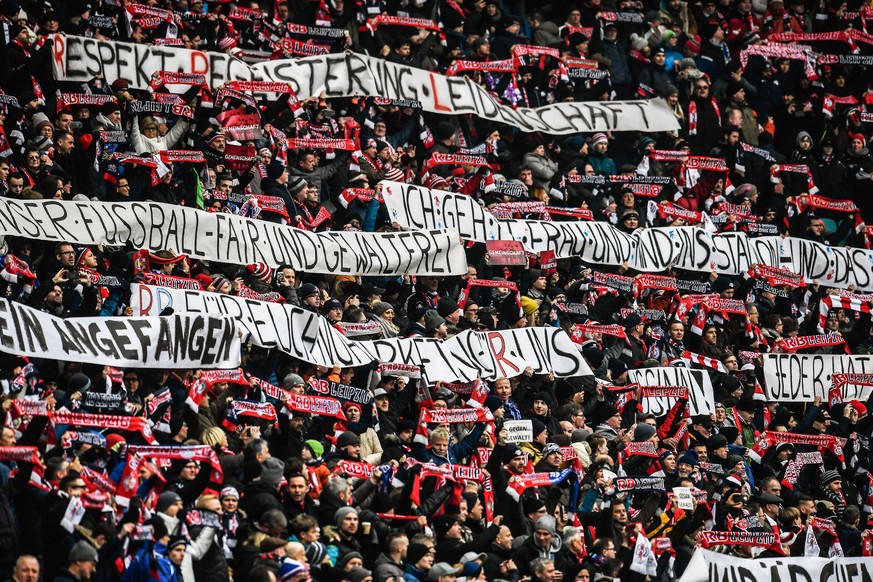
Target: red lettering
[(59, 50), (198, 60), (436, 101), (498, 353)]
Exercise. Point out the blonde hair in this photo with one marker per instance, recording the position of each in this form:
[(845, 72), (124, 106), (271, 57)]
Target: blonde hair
[(204, 500), (439, 434), (213, 436)]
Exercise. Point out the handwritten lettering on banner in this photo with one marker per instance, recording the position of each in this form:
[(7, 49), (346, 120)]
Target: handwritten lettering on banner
[(519, 431), (647, 250), (179, 341), (802, 377), (344, 75), (233, 239), (706, 565), (463, 358), (701, 398)]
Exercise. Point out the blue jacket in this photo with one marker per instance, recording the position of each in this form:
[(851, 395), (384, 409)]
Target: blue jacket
[(150, 561), (456, 451), (413, 574)]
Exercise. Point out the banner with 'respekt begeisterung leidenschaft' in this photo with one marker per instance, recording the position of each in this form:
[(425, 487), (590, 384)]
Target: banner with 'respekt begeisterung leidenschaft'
[(346, 75)]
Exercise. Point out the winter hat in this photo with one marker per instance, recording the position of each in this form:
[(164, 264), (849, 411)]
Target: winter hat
[(112, 440), (598, 138), (383, 306), (732, 460), (551, 448), (689, 457), (292, 380), (358, 574), (78, 382), (341, 514), (261, 272), (347, 439), (443, 523), (692, 46), (580, 435), (40, 120), (716, 441), (166, 499), (800, 136), (432, 320), (295, 184), (829, 477), (82, 552), (272, 471), (308, 290), (638, 42), (616, 367), (289, 568), (471, 498), (331, 304), (315, 553), (447, 306), (643, 432), (346, 558), (511, 453), (532, 505), (229, 492), (538, 427), (529, 306), (226, 43), (493, 402), (42, 143), (275, 170), (733, 87), (577, 38), (547, 523), (575, 143), (416, 552), (315, 447), (109, 107), (444, 131)]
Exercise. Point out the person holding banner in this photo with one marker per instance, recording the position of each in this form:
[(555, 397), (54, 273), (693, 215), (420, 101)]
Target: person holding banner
[(665, 283)]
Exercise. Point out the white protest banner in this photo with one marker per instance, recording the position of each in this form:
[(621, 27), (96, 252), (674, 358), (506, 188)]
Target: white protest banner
[(179, 341), (289, 328), (519, 431), (651, 250), (647, 250), (802, 377), (701, 398), (349, 74), (463, 358), (684, 499), (228, 238), (486, 355), (344, 75), (706, 565), (80, 59)]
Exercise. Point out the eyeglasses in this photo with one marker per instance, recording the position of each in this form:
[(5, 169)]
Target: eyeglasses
[(67, 253), (702, 87)]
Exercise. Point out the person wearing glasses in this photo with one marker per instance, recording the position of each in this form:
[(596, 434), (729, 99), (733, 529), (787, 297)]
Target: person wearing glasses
[(704, 117)]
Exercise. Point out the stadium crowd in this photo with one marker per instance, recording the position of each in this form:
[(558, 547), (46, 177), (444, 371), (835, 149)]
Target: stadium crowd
[(376, 496)]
